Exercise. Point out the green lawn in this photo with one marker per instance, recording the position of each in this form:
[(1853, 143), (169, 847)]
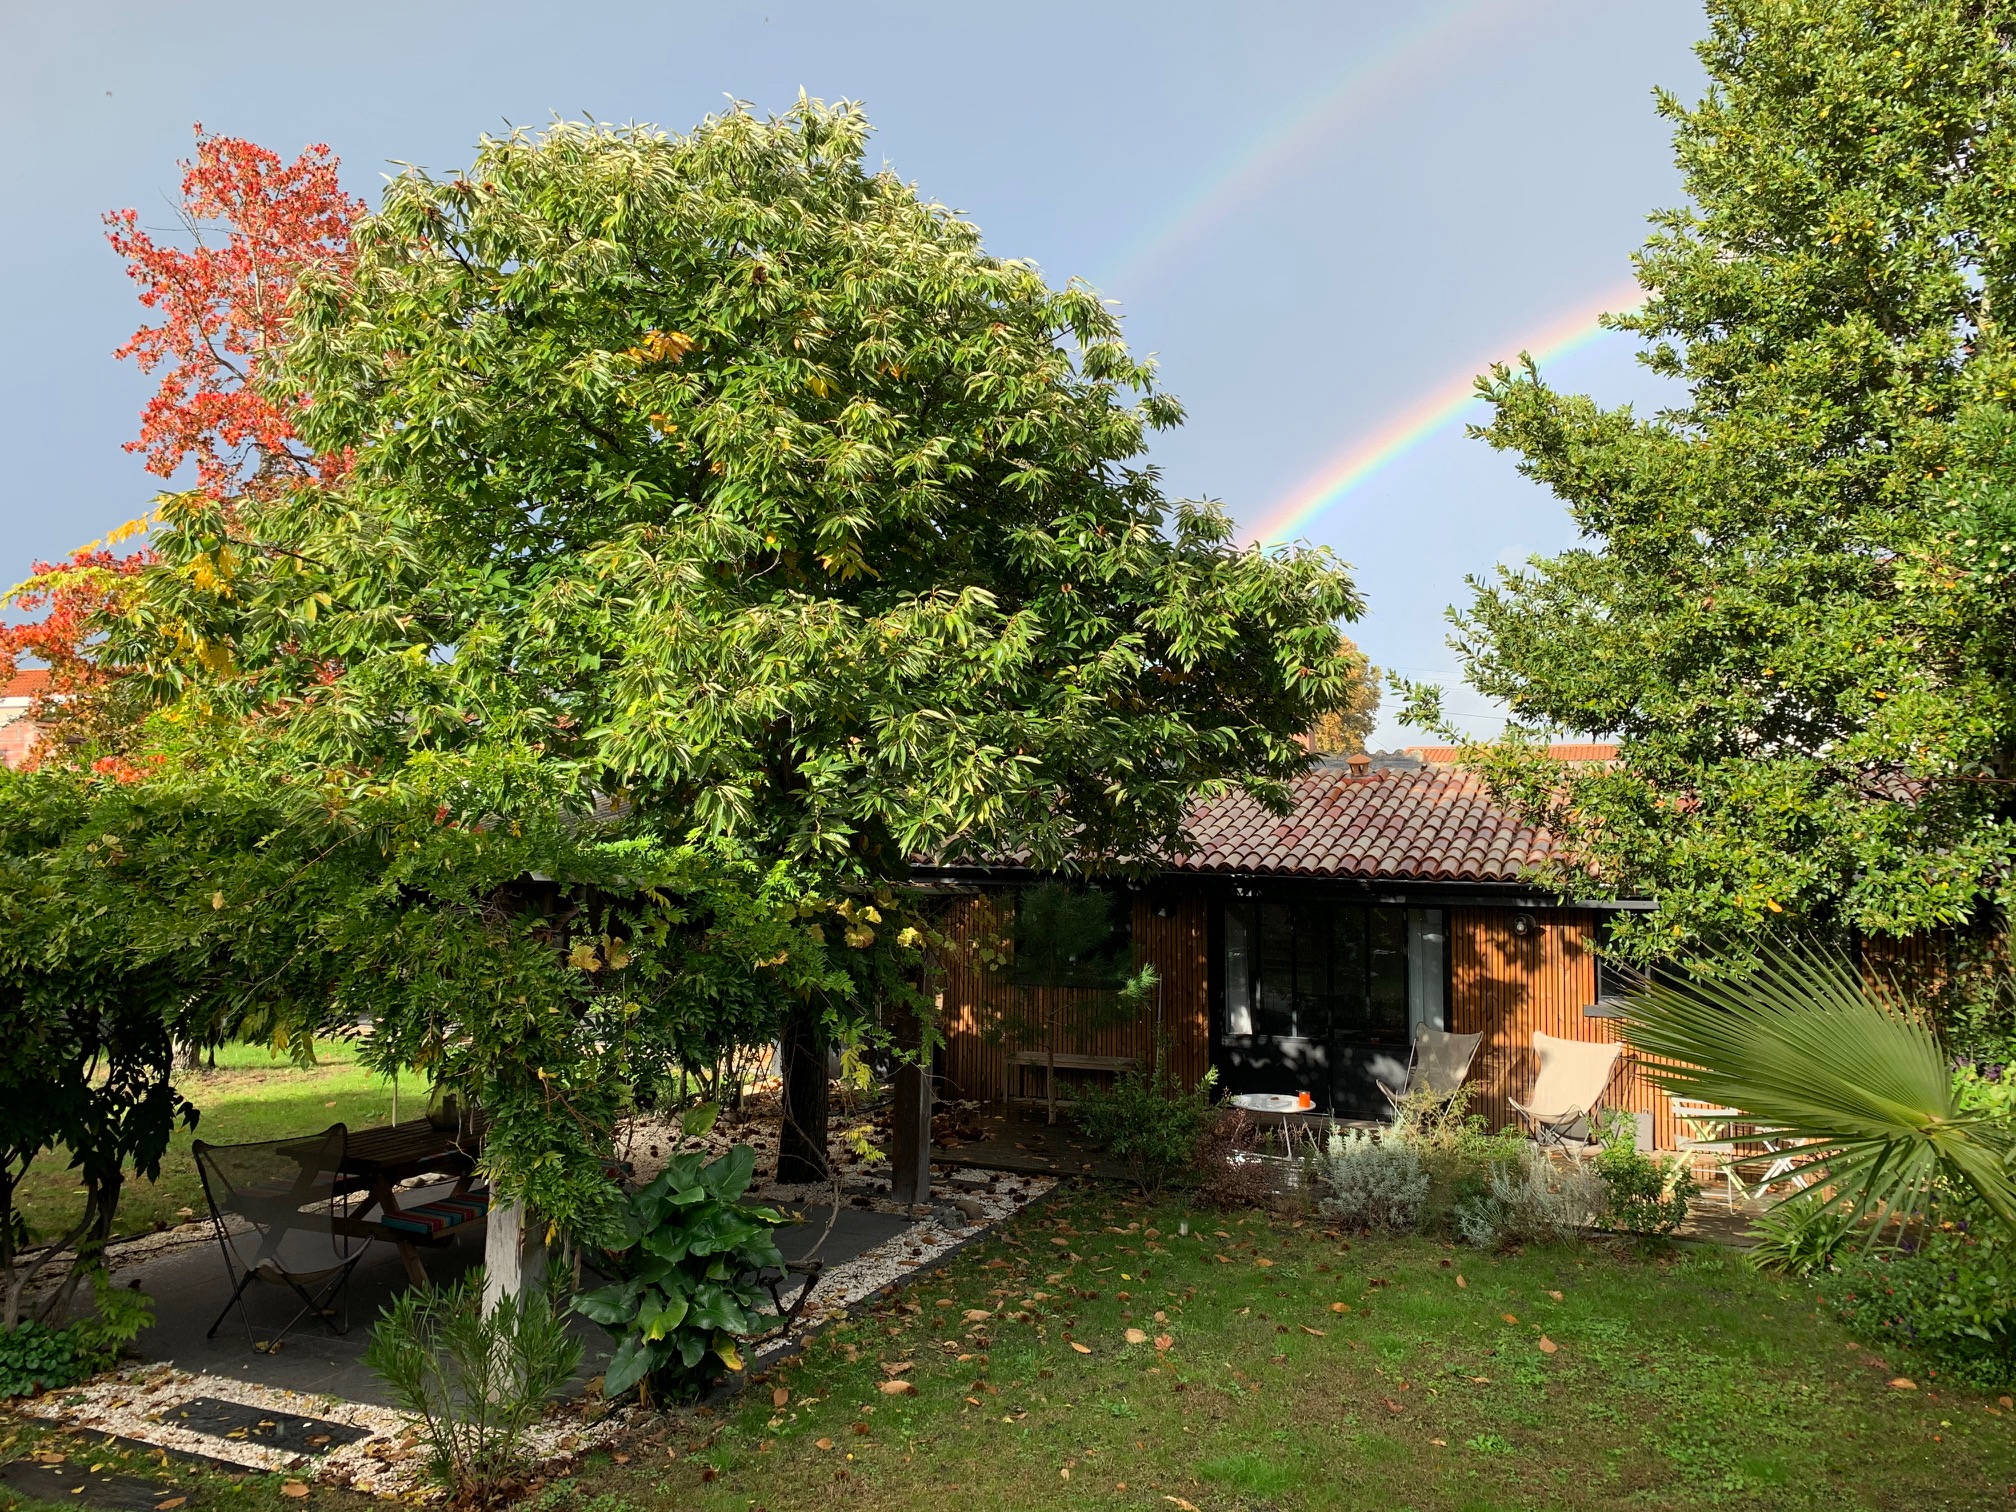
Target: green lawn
[(251, 1095), (1299, 1370), (1682, 1381)]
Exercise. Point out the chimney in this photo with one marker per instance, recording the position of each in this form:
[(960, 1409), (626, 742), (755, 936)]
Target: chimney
[(1360, 764)]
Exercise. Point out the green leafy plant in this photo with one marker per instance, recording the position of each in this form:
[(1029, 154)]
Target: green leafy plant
[(1795, 1041), (1149, 1120), (35, 1356), (1801, 1237), (474, 1381), (688, 1291), (1642, 1194), (1948, 1293)]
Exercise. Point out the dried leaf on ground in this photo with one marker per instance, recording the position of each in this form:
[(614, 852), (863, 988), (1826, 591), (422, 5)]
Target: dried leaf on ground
[(898, 1388), (1136, 1336), (1081, 1348), (1547, 1345)]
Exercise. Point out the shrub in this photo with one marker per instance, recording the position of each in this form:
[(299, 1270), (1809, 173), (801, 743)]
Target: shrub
[(1801, 1236), (1950, 1297), (688, 1288), (1459, 1153), (1229, 1172), (1528, 1200), (1643, 1194), (474, 1381), (34, 1356), (1374, 1183), (1149, 1120)]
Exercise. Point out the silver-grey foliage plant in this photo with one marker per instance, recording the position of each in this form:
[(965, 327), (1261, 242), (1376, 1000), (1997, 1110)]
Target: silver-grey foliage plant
[(1374, 1183)]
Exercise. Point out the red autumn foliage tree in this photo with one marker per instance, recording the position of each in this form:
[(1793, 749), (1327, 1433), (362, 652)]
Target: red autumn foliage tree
[(257, 224)]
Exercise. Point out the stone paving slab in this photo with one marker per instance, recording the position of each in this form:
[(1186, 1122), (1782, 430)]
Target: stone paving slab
[(69, 1484)]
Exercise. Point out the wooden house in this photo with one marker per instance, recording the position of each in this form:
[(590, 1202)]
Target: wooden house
[(1296, 953)]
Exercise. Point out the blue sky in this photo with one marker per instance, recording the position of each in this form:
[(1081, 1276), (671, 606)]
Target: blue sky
[(1422, 181)]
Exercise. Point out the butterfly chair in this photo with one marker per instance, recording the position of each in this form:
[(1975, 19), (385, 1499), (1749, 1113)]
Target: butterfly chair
[(1439, 1063), (1574, 1075), (277, 1206)]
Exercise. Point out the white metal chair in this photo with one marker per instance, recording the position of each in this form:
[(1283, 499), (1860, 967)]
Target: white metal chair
[(1705, 1128), (1574, 1076)]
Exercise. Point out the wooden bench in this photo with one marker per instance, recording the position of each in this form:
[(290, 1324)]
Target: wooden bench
[(1062, 1061)]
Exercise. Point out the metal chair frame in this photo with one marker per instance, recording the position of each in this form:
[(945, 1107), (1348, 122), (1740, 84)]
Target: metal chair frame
[(275, 1214)]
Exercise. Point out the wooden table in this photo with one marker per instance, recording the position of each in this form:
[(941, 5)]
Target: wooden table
[(376, 1160)]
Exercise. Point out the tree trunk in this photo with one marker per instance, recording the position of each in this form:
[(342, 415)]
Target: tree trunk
[(801, 1142), (910, 1127), (514, 1258)]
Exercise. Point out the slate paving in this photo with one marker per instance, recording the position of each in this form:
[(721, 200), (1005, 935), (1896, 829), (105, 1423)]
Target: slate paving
[(285, 1431), (69, 1484), (188, 1287)]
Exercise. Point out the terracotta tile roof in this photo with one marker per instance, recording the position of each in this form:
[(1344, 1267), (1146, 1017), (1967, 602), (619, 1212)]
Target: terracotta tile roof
[(1431, 823), (1561, 751), (26, 683)]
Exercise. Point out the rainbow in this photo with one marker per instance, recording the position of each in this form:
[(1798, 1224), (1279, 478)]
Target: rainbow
[(1273, 149), (1440, 407)]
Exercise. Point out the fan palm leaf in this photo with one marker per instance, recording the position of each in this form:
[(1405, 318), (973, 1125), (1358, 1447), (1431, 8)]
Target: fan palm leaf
[(1796, 1042)]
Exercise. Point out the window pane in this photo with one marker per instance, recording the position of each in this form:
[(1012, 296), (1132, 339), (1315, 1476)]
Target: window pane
[(1274, 1004), (1347, 970), (1388, 995), (1238, 968), (1312, 970), (1424, 968)]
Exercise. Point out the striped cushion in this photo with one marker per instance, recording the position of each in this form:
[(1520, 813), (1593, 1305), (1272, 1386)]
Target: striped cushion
[(431, 1219)]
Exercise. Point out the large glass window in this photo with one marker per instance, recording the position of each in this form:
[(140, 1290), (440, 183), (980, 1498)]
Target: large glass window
[(1321, 970)]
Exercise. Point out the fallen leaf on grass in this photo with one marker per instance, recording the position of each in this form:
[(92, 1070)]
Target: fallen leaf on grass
[(171, 1504), (1480, 1380), (780, 1396), (1555, 1295), (1391, 1405), (822, 1443), (1443, 1443), (976, 1315), (1163, 1341), (294, 1489), (1547, 1345), (1081, 1348), (1508, 1317), (1316, 1331), (1180, 1504), (1136, 1336), (898, 1388), (899, 1367), (1462, 1283), (621, 1459), (1340, 1307), (1904, 1383)]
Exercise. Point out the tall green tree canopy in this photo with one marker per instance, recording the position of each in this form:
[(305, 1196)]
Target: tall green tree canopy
[(710, 489), (1792, 601), (744, 481)]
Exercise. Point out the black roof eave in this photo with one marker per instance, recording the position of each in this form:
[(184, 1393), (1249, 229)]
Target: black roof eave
[(1510, 893)]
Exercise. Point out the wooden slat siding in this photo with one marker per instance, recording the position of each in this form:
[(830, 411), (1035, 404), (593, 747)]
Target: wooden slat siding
[(975, 999), (1506, 988)]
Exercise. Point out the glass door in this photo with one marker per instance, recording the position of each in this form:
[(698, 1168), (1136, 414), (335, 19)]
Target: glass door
[(1321, 997)]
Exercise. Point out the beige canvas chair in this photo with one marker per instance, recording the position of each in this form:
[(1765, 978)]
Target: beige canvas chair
[(1574, 1075), (1440, 1063)]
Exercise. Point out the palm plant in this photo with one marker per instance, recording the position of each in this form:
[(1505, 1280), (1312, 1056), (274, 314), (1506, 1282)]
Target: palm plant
[(1795, 1040)]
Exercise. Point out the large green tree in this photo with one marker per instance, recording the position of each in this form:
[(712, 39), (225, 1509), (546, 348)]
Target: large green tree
[(1791, 605), (743, 487)]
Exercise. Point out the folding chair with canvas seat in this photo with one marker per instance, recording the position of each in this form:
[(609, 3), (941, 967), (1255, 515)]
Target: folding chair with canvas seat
[(1439, 1063), (275, 1205), (1574, 1075)]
